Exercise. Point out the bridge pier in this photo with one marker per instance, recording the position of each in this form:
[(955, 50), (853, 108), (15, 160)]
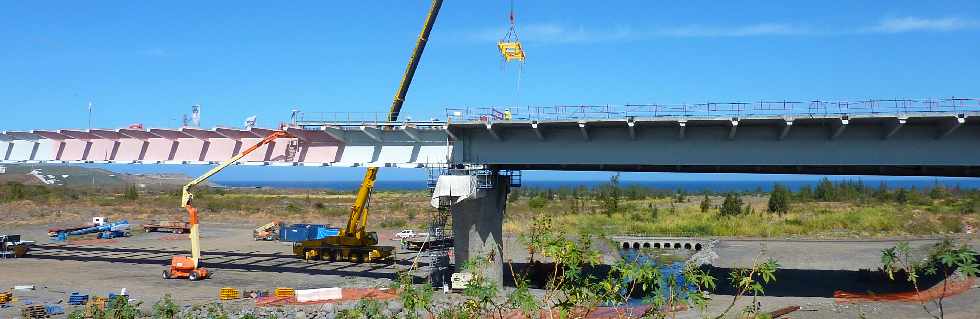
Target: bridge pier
[(478, 227)]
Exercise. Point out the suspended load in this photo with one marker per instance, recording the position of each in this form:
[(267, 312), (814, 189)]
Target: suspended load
[(510, 45)]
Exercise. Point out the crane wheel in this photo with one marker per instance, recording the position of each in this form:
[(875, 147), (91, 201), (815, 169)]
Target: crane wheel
[(332, 256), (193, 276)]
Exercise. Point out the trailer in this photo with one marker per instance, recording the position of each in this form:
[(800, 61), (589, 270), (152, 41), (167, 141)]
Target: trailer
[(105, 230), (11, 246), (170, 226), (426, 243)]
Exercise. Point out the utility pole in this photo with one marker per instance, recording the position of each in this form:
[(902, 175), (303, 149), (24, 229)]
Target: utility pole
[(90, 115)]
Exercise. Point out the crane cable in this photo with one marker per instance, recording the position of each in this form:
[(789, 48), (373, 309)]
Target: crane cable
[(511, 36)]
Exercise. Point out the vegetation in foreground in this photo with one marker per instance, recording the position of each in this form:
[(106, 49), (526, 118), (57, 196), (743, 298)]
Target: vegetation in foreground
[(575, 289)]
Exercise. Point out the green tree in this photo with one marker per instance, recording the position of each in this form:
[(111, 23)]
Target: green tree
[(611, 200), (732, 205), (131, 193), (902, 196), (938, 191), (779, 200), (681, 195), (825, 190), (705, 203)]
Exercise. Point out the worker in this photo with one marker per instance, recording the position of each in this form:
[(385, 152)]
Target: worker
[(507, 115)]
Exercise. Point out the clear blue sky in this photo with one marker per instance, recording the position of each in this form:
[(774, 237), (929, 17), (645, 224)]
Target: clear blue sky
[(148, 62)]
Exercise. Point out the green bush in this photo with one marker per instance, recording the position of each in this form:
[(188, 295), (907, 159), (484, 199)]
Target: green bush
[(537, 202)]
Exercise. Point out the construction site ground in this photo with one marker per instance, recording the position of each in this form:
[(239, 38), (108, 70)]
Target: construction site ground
[(811, 271)]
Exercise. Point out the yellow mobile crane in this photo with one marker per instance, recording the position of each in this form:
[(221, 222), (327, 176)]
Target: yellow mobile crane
[(354, 242), (189, 267)]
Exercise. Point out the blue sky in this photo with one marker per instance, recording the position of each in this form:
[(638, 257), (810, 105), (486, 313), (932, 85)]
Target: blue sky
[(149, 62)]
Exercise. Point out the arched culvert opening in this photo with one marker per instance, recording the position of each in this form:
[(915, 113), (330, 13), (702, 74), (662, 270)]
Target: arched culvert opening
[(646, 245), (636, 245), (626, 245), (677, 245), (687, 246), (656, 245), (666, 245), (698, 247)]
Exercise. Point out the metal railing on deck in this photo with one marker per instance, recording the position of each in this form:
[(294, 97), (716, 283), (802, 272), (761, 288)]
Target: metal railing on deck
[(815, 108)]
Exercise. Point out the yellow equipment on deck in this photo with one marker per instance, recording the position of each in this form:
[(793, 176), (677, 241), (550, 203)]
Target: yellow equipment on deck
[(510, 46)]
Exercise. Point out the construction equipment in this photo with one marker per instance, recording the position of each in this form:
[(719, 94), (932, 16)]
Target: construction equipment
[(268, 231), (12, 247), (173, 226), (354, 243), (189, 267), (510, 46), (100, 225)]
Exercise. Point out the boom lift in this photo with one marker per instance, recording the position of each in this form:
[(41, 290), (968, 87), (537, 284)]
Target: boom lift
[(189, 267), (354, 243)]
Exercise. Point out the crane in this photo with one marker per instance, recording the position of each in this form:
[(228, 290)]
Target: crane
[(189, 267), (354, 242)]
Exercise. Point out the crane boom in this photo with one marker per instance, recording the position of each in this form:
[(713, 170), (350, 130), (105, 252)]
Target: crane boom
[(357, 222), (413, 62)]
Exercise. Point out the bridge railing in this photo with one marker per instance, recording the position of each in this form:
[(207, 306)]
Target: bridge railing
[(345, 119), (814, 108)]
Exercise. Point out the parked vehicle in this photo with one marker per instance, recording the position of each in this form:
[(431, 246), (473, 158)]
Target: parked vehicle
[(268, 231), (406, 234), (12, 246), (172, 226)]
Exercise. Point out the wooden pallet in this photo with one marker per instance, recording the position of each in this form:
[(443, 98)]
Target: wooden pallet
[(34, 312), (228, 293), (285, 292)]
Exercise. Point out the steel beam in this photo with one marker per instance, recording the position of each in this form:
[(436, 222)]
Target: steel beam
[(892, 127), (335, 133), (585, 130), (631, 126), (492, 132), (537, 130), (947, 127), (372, 132), (733, 129), (787, 125), (682, 127), (412, 132), (838, 127)]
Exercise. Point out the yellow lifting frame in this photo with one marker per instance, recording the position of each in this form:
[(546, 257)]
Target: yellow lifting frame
[(511, 50)]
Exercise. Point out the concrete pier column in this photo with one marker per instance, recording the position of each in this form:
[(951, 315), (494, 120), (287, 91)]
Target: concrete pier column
[(478, 226)]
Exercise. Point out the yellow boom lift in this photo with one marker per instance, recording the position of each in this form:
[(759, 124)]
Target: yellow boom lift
[(189, 267), (354, 243)]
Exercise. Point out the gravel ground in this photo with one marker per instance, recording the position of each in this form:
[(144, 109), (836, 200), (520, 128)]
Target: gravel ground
[(810, 272)]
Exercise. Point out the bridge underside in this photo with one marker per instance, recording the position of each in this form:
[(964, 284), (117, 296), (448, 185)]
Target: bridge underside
[(952, 171), (907, 145)]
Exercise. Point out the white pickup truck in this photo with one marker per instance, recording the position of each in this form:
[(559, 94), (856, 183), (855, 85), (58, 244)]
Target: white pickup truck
[(409, 233)]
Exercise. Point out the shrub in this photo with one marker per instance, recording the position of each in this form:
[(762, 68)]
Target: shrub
[(705, 203), (732, 205), (131, 193), (537, 202), (779, 200)]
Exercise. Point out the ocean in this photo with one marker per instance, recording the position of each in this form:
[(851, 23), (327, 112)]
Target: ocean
[(692, 186)]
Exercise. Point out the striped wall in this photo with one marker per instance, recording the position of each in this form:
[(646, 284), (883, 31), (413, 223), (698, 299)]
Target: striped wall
[(339, 147)]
